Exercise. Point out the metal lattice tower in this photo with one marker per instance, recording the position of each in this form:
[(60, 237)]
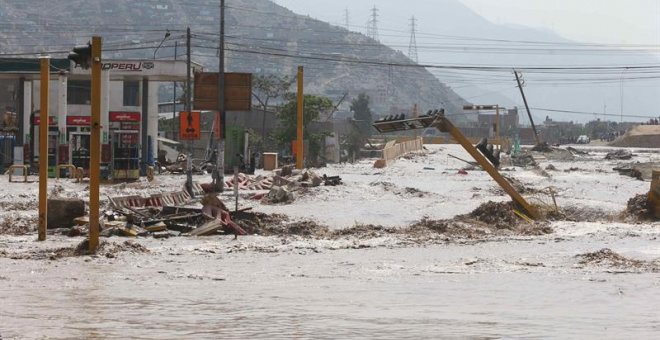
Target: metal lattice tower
[(412, 47), (347, 19), (372, 25)]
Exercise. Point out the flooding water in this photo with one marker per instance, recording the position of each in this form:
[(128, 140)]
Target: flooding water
[(197, 288)]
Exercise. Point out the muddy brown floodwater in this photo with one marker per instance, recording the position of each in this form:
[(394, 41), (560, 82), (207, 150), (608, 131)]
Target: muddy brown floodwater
[(366, 283)]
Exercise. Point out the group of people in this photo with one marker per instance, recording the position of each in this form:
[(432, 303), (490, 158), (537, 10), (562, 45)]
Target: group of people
[(652, 121)]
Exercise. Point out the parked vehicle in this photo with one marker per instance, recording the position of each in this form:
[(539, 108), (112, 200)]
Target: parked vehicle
[(583, 139)]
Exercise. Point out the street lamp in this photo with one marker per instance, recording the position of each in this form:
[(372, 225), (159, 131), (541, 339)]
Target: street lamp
[(167, 35)]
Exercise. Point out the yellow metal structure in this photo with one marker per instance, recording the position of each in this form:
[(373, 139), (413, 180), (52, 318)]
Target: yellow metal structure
[(299, 131), (440, 122), (71, 167), (150, 173), (444, 125), (43, 147), (95, 147), (14, 167)]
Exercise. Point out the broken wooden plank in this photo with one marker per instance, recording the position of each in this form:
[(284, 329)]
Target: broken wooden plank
[(210, 227), (159, 226), (129, 231)]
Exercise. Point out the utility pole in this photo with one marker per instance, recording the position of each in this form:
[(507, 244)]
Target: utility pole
[(221, 117), (189, 113), (529, 114), (43, 147), (175, 122), (300, 146)]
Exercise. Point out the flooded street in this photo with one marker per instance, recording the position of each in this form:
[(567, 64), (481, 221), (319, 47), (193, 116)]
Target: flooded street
[(372, 258), (260, 287)]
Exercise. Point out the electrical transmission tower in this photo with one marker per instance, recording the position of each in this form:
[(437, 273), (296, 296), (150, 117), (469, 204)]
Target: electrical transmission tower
[(347, 20), (412, 47), (372, 25)]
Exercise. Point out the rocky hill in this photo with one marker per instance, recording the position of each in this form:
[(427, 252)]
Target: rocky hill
[(262, 37)]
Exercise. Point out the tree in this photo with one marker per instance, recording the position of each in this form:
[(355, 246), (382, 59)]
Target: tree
[(363, 115), (314, 106), (362, 122), (268, 87)]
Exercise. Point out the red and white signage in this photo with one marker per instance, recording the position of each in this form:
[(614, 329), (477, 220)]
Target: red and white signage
[(51, 120), (78, 120), (116, 116)]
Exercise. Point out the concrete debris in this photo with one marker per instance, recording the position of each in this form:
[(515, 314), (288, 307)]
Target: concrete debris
[(619, 154), (523, 160), (63, 211), (331, 180), (279, 194), (542, 147), (629, 171), (576, 151)]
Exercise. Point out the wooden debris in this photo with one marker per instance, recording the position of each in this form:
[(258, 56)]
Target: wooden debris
[(210, 227), (160, 226)]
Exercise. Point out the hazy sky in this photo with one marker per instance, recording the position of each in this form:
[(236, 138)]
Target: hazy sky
[(603, 21), (615, 22)]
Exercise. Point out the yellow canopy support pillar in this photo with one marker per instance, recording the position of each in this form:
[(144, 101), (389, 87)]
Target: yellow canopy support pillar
[(43, 147), (95, 147)]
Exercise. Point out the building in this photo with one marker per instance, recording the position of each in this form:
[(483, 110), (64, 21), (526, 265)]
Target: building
[(129, 111)]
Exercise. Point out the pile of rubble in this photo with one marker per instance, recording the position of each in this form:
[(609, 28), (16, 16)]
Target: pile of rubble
[(176, 213)]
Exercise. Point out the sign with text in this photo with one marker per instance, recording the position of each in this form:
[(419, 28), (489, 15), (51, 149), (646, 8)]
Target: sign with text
[(78, 120), (238, 91), (120, 116), (52, 120), (479, 107), (189, 125)]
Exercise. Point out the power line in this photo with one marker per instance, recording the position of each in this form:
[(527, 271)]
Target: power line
[(591, 113)]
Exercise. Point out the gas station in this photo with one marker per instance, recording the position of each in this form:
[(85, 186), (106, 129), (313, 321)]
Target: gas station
[(129, 112)]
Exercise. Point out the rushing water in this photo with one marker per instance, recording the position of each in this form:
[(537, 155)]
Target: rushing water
[(192, 289)]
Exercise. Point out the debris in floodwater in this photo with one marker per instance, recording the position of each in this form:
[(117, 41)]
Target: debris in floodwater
[(105, 249), (619, 154), (498, 214), (608, 258), (639, 208)]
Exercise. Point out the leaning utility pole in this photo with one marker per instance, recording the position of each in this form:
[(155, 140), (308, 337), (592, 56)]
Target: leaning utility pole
[(529, 114), (221, 117)]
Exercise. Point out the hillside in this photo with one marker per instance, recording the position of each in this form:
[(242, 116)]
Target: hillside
[(262, 37)]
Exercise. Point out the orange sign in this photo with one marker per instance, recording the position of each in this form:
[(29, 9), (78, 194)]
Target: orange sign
[(189, 125)]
